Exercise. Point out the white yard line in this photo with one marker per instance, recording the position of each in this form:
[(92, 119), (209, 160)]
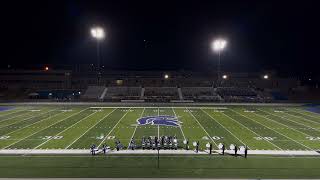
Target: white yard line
[(32, 116), (251, 130), (275, 131), (135, 129), (90, 129), (14, 116), (34, 122), (113, 128), (201, 126), (300, 117), (65, 129), (293, 121), (281, 123), (184, 137), (225, 128), (44, 128)]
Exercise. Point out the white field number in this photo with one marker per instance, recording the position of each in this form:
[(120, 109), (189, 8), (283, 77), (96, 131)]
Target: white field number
[(310, 138), (111, 137), (52, 137), (4, 137), (265, 138), (216, 137), (127, 110)]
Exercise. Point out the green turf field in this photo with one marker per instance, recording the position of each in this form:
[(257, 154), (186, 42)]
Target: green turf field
[(254, 167), (78, 127)]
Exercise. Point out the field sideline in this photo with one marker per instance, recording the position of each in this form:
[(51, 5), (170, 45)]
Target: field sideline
[(78, 127)]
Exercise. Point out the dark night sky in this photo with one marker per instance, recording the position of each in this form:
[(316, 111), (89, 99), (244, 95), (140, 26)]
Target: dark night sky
[(262, 34)]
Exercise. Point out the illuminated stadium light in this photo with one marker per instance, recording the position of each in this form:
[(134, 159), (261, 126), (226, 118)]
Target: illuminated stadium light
[(219, 45), (46, 68), (266, 76), (98, 33), (225, 76), (166, 76)]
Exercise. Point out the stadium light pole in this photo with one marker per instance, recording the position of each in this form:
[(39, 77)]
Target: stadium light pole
[(218, 46), (98, 34)]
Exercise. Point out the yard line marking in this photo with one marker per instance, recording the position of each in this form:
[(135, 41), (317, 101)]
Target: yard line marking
[(45, 128), (65, 129), (113, 128), (136, 128), (224, 128), (91, 128), (32, 116), (179, 124), (201, 126), (274, 130), (300, 116), (281, 123), (251, 130), (32, 123), (21, 120), (14, 116), (294, 121)]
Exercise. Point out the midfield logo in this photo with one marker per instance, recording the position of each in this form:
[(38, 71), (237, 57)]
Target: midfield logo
[(164, 120)]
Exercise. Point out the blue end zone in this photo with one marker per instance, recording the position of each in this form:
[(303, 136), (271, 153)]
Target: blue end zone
[(5, 108), (313, 108)]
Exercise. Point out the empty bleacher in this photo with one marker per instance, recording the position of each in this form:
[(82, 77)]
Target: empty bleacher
[(238, 94), (123, 93), (200, 94), (93, 92), (161, 94)]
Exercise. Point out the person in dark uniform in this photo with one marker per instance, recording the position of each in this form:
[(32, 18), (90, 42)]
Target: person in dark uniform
[(210, 148), (235, 150), (162, 141), (132, 144), (197, 147), (223, 149), (143, 143), (104, 149), (117, 145), (93, 149)]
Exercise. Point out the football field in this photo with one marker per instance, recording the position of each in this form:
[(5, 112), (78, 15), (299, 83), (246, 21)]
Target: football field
[(78, 127)]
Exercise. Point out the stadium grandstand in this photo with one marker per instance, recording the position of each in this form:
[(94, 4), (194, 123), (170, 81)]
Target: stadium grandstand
[(150, 86)]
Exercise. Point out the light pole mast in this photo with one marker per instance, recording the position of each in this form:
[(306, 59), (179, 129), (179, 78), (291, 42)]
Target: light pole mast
[(217, 46), (99, 34)]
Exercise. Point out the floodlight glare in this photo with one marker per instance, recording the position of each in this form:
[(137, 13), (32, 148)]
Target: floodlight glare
[(219, 45), (98, 33), (266, 77), (166, 76), (225, 76)]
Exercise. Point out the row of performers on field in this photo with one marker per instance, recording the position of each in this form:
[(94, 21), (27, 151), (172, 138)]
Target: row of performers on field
[(164, 142), (168, 142)]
